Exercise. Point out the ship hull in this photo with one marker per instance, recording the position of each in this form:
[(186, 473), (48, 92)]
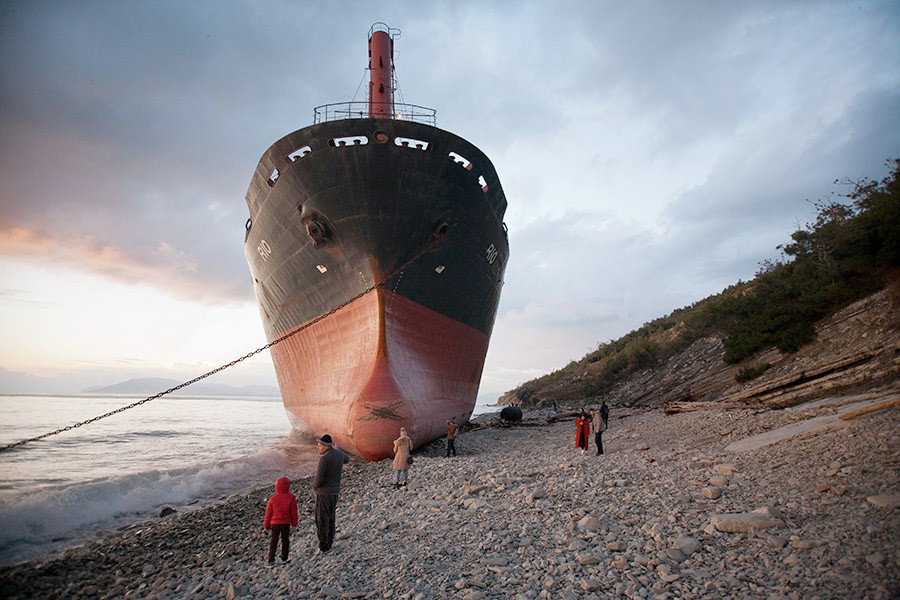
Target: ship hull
[(377, 251), (367, 371)]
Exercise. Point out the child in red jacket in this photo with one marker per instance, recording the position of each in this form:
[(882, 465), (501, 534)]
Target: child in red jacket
[(281, 515)]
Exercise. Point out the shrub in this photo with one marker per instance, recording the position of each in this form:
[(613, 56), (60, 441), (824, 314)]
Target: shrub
[(751, 372)]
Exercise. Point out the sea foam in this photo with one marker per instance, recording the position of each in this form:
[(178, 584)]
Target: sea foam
[(52, 519)]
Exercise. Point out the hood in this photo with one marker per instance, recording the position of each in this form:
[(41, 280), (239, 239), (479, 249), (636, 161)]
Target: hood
[(283, 485)]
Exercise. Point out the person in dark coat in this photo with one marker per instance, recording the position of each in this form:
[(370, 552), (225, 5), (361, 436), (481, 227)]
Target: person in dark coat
[(281, 515), (582, 431), (327, 486)]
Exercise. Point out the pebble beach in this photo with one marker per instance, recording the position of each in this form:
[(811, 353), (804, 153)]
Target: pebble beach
[(679, 506)]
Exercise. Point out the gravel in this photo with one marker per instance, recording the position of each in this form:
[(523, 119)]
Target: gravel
[(667, 512)]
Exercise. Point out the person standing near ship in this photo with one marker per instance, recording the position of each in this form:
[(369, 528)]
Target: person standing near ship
[(451, 437), (402, 448), (327, 486), (599, 425), (281, 515), (582, 431)]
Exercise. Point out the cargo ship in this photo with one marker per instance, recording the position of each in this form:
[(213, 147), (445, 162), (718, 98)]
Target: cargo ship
[(377, 249)]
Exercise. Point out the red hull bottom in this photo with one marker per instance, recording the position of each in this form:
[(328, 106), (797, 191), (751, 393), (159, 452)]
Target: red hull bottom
[(379, 364)]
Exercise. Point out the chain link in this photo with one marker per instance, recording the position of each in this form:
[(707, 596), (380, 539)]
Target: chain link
[(278, 340)]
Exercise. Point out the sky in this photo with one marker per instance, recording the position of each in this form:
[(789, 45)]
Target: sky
[(652, 154)]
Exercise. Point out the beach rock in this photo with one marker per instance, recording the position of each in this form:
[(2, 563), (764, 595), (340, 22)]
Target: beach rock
[(743, 522), (232, 591), (687, 545), (838, 490), (884, 500), (534, 494), (806, 544), (712, 493), (166, 511), (675, 555), (769, 511), (718, 481), (619, 562), (724, 470)]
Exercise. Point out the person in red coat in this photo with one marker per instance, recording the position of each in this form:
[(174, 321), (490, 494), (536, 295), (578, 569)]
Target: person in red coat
[(281, 515), (582, 431)]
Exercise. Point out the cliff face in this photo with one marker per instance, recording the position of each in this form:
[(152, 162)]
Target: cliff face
[(857, 348)]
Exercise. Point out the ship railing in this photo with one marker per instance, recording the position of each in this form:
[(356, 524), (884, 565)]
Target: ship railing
[(360, 110)]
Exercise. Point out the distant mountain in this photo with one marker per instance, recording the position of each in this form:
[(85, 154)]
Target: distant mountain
[(154, 385)]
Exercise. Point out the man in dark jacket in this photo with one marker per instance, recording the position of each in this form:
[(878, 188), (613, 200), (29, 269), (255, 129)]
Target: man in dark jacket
[(327, 486)]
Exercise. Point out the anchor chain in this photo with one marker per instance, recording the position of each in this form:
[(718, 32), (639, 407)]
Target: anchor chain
[(278, 340)]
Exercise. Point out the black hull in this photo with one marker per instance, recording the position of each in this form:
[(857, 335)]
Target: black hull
[(346, 216)]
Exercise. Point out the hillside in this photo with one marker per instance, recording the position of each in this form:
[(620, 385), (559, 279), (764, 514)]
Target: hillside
[(858, 348), (825, 318)]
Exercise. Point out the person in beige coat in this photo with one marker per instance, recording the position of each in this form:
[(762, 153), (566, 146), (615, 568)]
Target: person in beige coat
[(402, 459)]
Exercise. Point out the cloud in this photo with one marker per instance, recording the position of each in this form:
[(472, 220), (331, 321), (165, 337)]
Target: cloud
[(652, 153), (163, 267)]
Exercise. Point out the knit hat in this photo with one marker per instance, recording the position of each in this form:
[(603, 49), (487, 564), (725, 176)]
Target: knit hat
[(325, 440)]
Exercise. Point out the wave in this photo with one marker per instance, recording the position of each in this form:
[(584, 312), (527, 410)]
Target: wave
[(47, 521)]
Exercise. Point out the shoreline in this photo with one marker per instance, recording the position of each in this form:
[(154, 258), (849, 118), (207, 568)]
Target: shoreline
[(667, 512)]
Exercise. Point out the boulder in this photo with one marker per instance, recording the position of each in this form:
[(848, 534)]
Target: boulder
[(511, 414)]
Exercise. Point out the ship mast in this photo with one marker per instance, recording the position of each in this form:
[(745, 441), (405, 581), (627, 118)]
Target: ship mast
[(381, 71)]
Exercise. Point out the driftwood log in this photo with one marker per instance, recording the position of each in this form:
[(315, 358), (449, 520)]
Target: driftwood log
[(870, 409), (563, 416)]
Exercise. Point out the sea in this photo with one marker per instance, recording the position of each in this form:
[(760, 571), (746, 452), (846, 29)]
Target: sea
[(178, 451)]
